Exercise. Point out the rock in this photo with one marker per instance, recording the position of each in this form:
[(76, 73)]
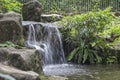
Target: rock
[(6, 77), (53, 78), (24, 59), (32, 10), (11, 28), (57, 78), (1, 78), (51, 17), (18, 74), (117, 14)]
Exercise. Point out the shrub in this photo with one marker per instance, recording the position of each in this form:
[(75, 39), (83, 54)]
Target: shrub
[(84, 30), (10, 5)]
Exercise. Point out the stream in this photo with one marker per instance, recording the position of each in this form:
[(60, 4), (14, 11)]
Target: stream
[(84, 72)]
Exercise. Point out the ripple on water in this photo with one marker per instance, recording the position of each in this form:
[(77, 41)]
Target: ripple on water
[(64, 70)]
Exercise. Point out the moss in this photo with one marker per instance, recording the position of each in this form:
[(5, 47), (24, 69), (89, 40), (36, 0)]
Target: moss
[(36, 63)]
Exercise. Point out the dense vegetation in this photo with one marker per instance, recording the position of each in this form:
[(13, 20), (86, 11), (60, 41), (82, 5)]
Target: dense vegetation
[(61, 6), (10, 5), (88, 33), (76, 6)]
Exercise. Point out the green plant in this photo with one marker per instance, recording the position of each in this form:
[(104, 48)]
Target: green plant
[(10, 5), (88, 26), (112, 32), (111, 59), (76, 6), (10, 44)]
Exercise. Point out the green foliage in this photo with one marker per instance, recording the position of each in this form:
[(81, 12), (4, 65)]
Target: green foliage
[(61, 6), (10, 44), (112, 31), (111, 59), (84, 29), (77, 6), (10, 5), (72, 54)]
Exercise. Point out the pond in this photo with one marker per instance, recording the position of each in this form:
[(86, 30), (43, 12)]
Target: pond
[(84, 72)]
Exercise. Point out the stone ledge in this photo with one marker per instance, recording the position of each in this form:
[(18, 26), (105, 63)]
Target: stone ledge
[(18, 74)]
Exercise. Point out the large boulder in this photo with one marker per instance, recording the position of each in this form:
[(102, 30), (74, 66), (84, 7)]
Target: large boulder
[(31, 11), (17, 74), (24, 59), (11, 28)]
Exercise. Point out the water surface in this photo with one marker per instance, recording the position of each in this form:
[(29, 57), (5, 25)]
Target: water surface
[(84, 72)]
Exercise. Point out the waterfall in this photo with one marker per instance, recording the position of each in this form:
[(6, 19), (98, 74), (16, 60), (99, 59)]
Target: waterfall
[(46, 39)]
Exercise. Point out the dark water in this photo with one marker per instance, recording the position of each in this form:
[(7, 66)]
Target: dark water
[(85, 72)]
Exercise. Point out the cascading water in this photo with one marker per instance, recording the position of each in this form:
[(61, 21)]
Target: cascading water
[(47, 40)]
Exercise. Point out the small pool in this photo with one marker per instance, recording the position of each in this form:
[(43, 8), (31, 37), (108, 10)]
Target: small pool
[(84, 72)]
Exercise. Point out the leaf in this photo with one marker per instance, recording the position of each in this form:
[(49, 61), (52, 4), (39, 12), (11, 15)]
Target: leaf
[(71, 55), (98, 59), (3, 45), (93, 44), (85, 56)]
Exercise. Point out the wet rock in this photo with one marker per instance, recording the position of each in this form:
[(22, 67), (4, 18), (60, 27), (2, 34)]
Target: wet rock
[(24, 59), (32, 10), (18, 74), (1, 78), (11, 28), (51, 17), (6, 77)]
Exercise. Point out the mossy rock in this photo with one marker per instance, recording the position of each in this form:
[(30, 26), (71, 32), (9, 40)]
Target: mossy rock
[(11, 28), (31, 11)]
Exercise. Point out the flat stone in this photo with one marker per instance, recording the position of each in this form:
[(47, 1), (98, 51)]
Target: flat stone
[(57, 78), (51, 17), (18, 74)]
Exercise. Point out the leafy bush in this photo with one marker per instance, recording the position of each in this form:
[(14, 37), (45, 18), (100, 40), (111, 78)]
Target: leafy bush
[(10, 5), (84, 29)]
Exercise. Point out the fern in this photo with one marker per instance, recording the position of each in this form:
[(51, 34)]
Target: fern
[(72, 54)]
